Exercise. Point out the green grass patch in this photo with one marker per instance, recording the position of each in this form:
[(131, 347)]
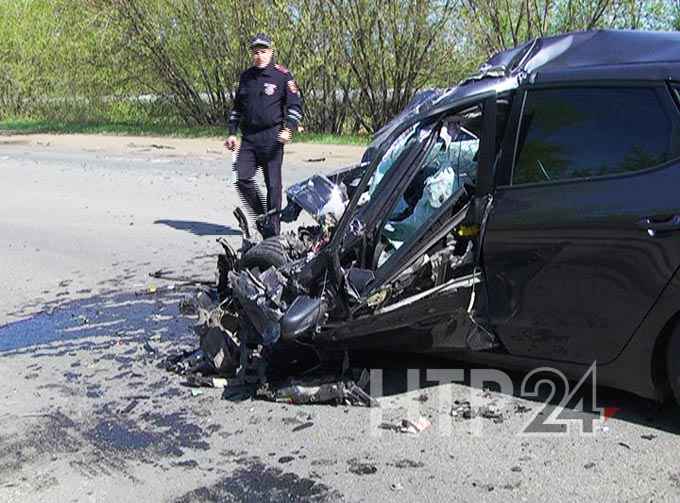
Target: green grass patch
[(332, 139), (30, 126)]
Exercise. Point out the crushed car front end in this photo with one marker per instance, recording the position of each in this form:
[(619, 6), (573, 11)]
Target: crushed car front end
[(390, 261)]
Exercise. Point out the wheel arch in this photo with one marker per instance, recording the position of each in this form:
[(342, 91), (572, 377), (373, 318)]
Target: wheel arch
[(660, 376)]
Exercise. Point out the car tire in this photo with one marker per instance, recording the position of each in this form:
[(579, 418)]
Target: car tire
[(269, 252), (673, 363)]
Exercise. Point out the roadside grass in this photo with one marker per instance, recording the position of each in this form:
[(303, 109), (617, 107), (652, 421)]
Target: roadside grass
[(31, 126)]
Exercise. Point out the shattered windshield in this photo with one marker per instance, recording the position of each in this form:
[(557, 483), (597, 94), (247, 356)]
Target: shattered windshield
[(450, 164), (404, 143)]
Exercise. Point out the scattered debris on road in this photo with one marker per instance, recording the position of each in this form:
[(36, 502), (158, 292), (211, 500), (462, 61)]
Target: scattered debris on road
[(414, 427), (361, 468)]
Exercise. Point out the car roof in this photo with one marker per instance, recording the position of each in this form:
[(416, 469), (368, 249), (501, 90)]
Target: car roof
[(605, 48), (595, 54), (612, 55)]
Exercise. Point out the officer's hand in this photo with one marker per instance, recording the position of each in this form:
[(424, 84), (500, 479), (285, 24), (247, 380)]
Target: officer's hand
[(231, 143), (285, 135)]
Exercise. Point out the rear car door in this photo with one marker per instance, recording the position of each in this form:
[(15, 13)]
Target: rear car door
[(585, 233)]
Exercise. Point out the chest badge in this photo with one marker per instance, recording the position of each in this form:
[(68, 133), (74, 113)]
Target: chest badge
[(269, 89)]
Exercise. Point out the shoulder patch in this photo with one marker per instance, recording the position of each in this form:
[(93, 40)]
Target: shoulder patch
[(281, 68)]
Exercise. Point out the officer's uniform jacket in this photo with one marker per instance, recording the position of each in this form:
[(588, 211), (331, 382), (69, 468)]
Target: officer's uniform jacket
[(266, 98)]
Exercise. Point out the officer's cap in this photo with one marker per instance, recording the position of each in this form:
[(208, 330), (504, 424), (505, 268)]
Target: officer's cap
[(261, 40)]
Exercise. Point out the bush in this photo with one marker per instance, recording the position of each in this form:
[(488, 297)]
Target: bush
[(177, 62)]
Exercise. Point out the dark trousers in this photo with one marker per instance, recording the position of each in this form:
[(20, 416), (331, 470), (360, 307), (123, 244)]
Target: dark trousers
[(263, 150)]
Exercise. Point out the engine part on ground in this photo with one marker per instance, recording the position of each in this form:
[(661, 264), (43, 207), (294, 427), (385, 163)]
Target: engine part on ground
[(223, 352), (189, 362), (200, 381), (334, 393)]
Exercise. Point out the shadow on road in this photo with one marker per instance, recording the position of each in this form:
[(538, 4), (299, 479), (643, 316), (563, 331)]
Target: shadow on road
[(200, 228)]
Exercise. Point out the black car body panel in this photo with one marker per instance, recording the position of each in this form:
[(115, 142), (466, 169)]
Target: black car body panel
[(561, 249), (571, 270)]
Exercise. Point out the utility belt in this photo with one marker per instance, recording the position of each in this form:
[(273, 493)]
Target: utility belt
[(261, 136), (250, 130)]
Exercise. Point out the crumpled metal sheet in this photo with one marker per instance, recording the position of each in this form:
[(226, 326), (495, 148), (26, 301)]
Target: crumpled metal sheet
[(320, 197), (321, 391), (480, 339), (274, 282), (255, 295)]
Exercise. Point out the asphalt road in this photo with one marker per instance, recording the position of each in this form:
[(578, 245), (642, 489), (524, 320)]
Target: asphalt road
[(86, 415)]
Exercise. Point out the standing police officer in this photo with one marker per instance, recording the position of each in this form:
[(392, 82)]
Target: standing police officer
[(268, 109)]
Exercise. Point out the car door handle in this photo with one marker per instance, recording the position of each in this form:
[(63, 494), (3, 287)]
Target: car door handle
[(660, 224)]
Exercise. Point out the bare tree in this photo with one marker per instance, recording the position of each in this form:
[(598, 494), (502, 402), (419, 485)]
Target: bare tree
[(390, 48)]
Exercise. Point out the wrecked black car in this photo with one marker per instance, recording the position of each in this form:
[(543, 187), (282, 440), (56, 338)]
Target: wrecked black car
[(527, 217)]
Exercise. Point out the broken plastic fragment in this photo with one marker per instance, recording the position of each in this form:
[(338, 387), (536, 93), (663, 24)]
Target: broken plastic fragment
[(415, 427), (219, 382), (468, 230), (377, 298), (319, 197)]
